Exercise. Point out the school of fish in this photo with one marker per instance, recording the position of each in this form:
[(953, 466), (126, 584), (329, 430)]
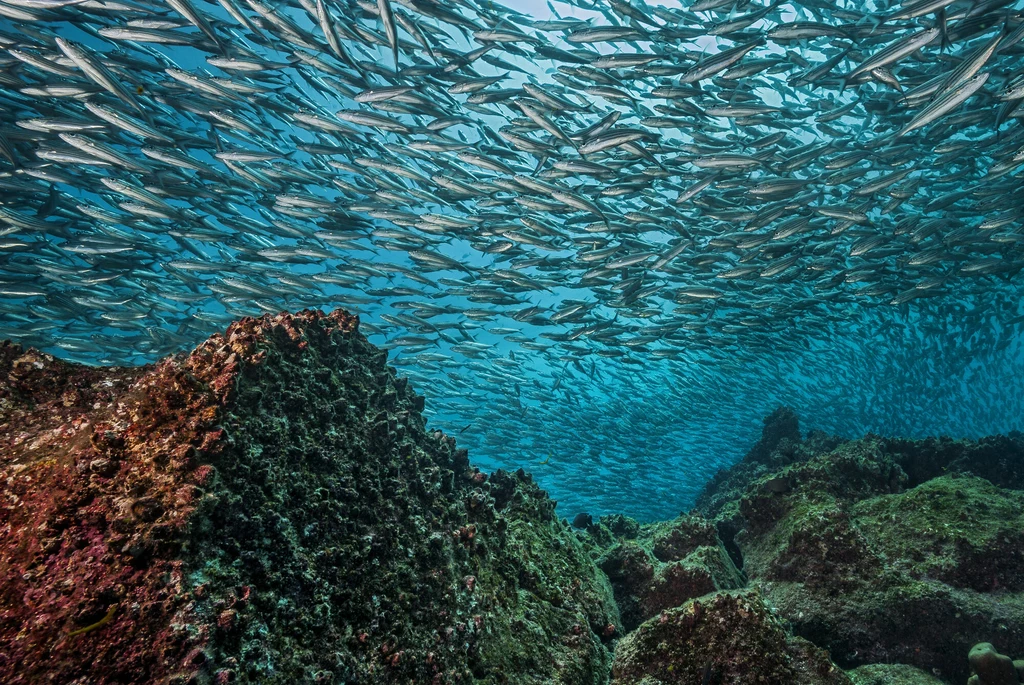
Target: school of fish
[(603, 243)]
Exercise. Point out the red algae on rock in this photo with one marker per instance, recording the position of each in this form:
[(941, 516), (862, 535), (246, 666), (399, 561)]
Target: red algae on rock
[(271, 509), (96, 479)]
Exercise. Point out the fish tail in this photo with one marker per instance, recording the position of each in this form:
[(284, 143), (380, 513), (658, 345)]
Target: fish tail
[(940, 19)]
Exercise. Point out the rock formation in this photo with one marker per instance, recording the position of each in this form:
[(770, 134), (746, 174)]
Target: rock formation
[(880, 550), (665, 565), (895, 556), (723, 637), (992, 668), (271, 509)]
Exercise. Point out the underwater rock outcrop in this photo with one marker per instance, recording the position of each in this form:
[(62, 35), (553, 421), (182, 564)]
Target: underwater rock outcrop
[(989, 667), (270, 508), (882, 550), (665, 565), (723, 637), (891, 674)]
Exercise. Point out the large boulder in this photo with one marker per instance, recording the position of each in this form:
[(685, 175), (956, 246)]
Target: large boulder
[(724, 638), (271, 509)]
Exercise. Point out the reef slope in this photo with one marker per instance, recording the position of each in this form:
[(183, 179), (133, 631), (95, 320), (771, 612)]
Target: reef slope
[(270, 508), (881, 550)]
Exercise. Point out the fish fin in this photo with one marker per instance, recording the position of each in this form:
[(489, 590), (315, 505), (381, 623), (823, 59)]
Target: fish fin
[(48, 207)]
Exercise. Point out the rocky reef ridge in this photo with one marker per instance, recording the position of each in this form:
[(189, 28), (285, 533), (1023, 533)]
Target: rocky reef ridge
[(271, 508), (886, 557), (883, 550)]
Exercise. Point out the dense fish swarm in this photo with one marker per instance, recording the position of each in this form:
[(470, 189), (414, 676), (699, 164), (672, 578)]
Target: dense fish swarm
[(609, 240)]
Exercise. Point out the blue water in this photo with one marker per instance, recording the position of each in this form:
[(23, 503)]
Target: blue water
[(639, 432)]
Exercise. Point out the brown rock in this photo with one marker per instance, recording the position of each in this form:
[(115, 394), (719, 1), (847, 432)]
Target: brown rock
[(668, 564), (271, 509)]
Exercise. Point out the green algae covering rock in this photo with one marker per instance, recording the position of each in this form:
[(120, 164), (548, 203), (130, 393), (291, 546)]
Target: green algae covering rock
[(665, 565), (891, 674), (725, 638), (272, 509), (990, 667), (885, 551)]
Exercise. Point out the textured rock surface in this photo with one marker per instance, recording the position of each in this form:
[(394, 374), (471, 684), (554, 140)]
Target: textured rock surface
[(665, 565), (891, 674), (882, 551), (725, 637), (779, 446), (271, 509)]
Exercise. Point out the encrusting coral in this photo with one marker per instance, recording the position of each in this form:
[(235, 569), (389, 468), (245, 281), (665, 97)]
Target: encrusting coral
[(990, 667)]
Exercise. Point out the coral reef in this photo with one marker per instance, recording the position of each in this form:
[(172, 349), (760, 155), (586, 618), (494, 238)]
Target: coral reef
[(882, 551), (270, 508)]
